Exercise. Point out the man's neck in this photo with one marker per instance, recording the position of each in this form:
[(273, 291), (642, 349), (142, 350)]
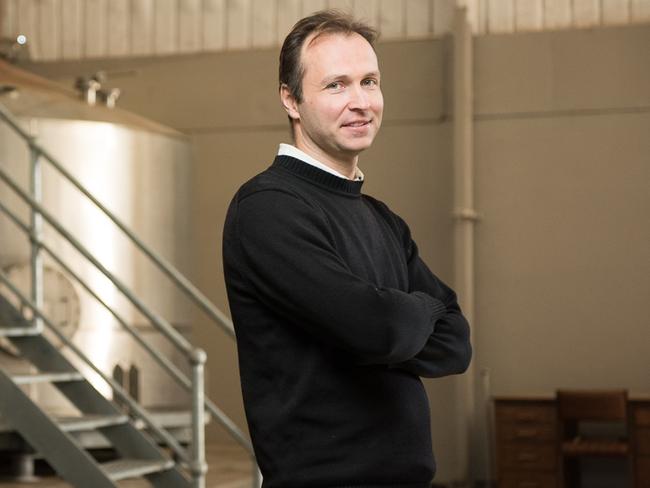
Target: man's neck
[(294, 152), (345, 166)]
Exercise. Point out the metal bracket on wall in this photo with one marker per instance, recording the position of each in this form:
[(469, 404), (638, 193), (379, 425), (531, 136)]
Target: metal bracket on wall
[(467, 214)]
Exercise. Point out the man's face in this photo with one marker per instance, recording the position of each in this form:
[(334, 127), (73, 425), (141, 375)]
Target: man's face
[(342, 104)]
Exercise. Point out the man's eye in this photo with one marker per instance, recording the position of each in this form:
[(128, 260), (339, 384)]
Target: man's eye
[(335, 85), (370, 82)]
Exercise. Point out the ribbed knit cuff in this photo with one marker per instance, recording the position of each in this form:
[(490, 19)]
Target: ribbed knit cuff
[(436, 307)]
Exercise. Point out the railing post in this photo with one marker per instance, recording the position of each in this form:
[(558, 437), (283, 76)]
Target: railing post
[(199, 467), (257, 475), (36, 221)]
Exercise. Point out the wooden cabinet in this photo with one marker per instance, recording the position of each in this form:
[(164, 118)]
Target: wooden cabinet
[(526, 434), (640, 412), (527, 441)]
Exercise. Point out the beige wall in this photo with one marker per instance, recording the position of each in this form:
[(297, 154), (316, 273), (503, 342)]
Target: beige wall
[(563, 166), (562, 159)]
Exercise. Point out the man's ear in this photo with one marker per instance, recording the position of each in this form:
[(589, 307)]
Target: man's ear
[(289, 102)]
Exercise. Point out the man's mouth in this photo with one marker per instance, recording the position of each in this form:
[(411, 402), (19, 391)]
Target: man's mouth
[(357, 123)]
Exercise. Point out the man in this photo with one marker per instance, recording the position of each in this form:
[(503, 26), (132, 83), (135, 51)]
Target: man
[(336, 315)]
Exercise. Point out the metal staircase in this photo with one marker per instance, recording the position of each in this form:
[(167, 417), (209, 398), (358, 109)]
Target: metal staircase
[(139, 456), (139, 453)]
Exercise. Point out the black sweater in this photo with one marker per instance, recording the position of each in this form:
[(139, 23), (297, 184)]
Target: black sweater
[(336, 318)]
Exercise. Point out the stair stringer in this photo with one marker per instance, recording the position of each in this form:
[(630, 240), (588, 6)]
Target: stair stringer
[(126, 439), (69, 460)]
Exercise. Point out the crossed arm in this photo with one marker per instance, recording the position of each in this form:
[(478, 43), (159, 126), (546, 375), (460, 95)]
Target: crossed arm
[(288, 252), (448, 349)]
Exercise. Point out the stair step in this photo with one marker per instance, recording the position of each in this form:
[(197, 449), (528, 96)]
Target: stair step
[(18, 331), (55, 377), (133, 468), (90, 422)]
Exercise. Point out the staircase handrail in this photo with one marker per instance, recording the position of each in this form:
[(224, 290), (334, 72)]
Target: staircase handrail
[(162, 360), (117, 388), (195, 355), (174, 274), (162, 325)]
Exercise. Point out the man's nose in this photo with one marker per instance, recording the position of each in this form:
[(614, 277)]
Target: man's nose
[(359, 99)]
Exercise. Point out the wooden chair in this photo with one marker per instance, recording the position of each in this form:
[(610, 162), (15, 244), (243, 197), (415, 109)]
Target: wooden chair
[(579, 407)]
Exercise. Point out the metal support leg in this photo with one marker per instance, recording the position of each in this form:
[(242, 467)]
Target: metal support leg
[(199, 466), (23, 467)]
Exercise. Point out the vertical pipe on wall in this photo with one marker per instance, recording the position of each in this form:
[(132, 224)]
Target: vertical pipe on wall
[(465, 217)]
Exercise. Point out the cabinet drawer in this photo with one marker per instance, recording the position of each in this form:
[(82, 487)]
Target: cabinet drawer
[(538, 414), (526, 432), (528, 456), (528, 480)]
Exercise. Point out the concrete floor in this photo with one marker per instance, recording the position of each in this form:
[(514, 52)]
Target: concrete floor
[(229, 467)]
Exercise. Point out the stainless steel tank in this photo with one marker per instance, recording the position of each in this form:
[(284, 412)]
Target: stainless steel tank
[(137, 168)]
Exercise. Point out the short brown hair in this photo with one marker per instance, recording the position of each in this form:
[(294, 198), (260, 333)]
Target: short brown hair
[(291, 70)]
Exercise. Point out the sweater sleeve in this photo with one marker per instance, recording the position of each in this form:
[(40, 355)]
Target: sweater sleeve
[(288, 256), (448, 349)]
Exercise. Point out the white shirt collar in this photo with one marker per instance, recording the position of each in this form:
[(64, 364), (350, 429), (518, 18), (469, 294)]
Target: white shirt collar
[(294, 152)]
